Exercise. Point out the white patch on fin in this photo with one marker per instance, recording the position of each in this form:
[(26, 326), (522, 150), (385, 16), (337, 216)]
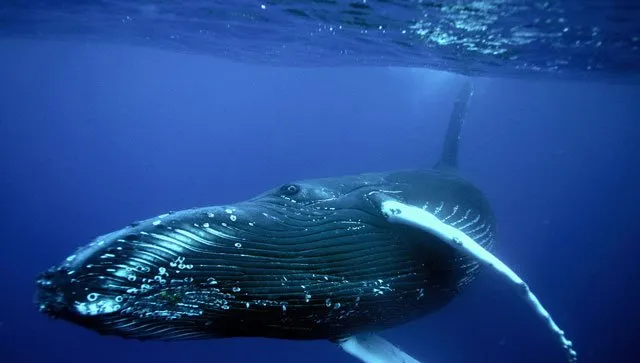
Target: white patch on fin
[(372, 348), (400, 213)]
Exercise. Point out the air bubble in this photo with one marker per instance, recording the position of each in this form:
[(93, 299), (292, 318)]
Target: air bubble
[(236, 289), (327, 302), (118, 298), (233, 218), (92, 296), (238, 244)]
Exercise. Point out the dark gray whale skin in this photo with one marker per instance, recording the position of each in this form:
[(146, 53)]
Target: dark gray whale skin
[(313, 259)]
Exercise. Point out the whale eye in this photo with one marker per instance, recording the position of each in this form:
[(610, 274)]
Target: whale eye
[(289, 189)]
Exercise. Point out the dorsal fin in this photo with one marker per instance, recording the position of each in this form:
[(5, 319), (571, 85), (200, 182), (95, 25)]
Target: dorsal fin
[(449, 157)]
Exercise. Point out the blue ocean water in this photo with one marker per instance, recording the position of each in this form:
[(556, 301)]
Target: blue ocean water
[(111, 112), (568, 39)]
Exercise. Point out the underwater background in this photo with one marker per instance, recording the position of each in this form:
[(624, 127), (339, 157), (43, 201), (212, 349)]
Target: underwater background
[(99, 129)]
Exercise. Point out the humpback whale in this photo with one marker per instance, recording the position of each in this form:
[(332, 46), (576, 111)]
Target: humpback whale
[(338, 259)]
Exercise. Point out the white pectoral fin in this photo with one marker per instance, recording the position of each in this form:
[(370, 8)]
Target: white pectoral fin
[(372, 348), (397, 212)]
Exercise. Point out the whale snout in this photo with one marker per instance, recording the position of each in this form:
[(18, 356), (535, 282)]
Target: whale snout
[(50, 291), (74, 293), (155, 272)]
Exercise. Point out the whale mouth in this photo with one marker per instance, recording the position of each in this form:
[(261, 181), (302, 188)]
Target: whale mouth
[(50, 296), (60, 295)]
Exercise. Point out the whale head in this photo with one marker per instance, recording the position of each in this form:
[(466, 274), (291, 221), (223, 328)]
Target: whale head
[(310, 259)]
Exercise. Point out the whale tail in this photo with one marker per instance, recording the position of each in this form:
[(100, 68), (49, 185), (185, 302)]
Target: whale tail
[(449, 157)]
